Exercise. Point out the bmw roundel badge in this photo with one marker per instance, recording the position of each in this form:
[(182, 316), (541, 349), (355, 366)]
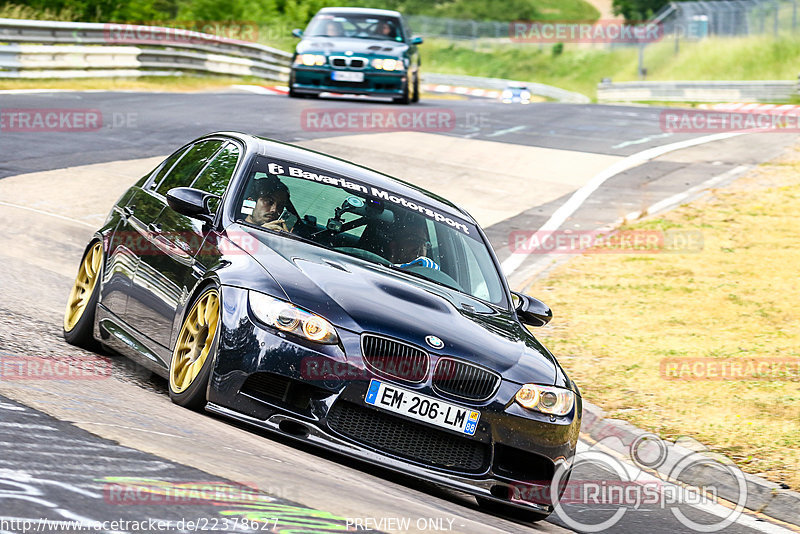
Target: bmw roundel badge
[(434, 342)]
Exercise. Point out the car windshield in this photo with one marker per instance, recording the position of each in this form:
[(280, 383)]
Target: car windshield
[(355, 25), (370, 223)]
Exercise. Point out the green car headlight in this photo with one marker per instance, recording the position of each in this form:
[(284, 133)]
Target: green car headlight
[(546, 399), (388, 64), (309, 60), (289, 318)]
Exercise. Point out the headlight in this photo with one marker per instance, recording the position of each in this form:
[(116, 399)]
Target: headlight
[(507, 94), (289, 318), (309, 60), (388, 64), (525, 95), (546, 399)]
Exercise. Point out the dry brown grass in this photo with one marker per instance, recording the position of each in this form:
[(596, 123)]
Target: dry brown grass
[(617, 316)]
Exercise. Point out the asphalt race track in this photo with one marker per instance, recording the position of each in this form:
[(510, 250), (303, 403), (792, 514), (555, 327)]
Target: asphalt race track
[(68, 446)]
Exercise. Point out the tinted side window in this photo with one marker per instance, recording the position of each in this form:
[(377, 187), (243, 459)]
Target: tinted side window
[(218, 173), (189, 165), (167, 164)]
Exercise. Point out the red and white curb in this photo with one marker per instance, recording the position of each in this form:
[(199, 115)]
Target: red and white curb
[(745, 107), (263, 89)]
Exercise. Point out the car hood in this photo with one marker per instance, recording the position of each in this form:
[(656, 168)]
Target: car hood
[(361, 296), (378, 47)]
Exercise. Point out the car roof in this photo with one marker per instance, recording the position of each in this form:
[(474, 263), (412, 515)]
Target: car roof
[(304, 156), (360, 11)]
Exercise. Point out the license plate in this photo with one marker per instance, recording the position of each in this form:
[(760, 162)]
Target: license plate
[(422, 408), (347, 76)]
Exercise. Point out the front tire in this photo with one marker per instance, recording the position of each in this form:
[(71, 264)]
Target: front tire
[(82, 301), (415, 99), (406, 98), (194, 352)]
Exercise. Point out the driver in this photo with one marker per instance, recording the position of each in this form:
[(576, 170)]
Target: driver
[(272, 196), (409, 246), (385, 29)]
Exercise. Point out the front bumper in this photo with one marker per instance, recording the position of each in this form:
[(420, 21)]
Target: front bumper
[(261, 377), (316, 80)]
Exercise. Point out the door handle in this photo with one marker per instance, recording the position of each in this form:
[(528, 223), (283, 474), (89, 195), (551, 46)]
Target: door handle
[(127, 211), (154, 227)]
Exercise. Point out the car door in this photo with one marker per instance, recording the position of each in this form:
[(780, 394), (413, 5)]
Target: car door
[(152, 293), (136, 209), (181, 238)]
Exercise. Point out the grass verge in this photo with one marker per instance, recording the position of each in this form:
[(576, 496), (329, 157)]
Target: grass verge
[(581, 67), (619, 316)]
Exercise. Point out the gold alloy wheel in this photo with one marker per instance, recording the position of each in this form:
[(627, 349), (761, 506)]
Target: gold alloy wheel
[(85, 282), (194, 342)]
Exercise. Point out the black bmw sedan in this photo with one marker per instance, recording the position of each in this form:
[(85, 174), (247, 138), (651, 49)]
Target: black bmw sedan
[(334, 304)]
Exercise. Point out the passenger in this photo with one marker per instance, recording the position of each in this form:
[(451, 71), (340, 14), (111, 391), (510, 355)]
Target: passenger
[(272, 196), (333, 29), (409, 247)]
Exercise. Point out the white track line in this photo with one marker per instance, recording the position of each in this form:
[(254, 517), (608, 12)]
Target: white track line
[(513, 262), (659, 206), (49, 214), (668, 202)]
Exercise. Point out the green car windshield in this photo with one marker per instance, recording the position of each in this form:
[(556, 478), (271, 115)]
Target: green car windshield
[(355, 26), (370, 223)]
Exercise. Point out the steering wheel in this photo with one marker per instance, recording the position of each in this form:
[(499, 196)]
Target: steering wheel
[(364, 255)]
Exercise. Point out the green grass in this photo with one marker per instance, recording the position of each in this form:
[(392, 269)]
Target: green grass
[(580, 68), (733, 301)]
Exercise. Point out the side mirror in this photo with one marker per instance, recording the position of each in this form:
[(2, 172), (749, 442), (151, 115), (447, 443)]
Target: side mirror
[(297, 33), (191, 202), (416, 40), (531, 311)]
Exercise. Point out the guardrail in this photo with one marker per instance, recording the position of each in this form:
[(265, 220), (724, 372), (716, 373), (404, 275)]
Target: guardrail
[(547, 91), (44, 49), (710, 91)]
